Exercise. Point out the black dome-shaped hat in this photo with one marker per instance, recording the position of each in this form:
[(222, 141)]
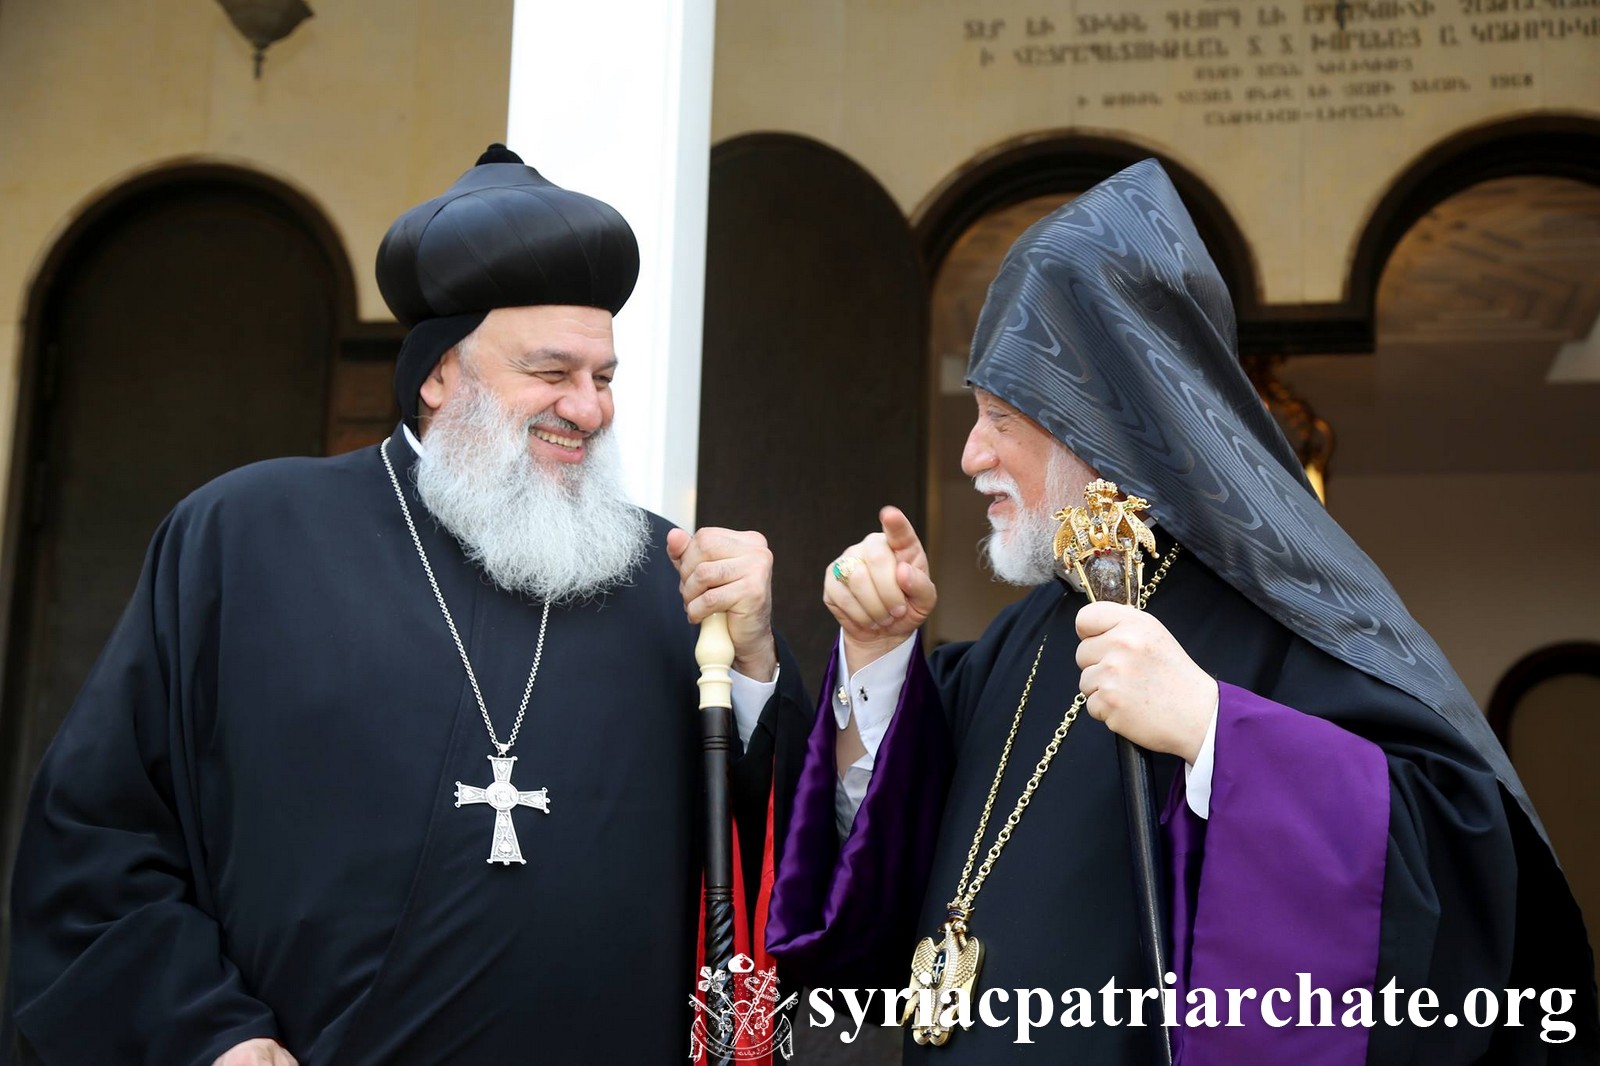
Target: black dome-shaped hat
[(501, 236)]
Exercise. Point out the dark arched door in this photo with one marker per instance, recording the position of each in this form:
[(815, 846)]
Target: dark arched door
[(187, 331), (813, 386)]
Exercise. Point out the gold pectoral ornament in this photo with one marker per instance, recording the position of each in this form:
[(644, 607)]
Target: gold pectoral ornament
[(939, 974), (1103, 543)]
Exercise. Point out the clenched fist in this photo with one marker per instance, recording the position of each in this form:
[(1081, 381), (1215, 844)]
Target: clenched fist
[(1141, 683), (730, 571), (886, 596)]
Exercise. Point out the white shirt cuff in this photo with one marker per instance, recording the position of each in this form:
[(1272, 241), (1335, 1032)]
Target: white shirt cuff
[(1197, 778), (749, 698), (870, 694)]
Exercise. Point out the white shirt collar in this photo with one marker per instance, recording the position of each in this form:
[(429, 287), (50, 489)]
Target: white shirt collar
[(411, 438)]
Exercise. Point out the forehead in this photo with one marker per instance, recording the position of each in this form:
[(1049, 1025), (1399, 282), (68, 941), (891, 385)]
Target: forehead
[(1023, 431), (568, 334), (988, 402)]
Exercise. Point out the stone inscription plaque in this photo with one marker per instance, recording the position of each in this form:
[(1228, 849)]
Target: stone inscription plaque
[(1263, 64)]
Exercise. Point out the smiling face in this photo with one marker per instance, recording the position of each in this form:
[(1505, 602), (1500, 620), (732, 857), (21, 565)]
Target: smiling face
[(517, 457), (1028, 475), (551, 366)]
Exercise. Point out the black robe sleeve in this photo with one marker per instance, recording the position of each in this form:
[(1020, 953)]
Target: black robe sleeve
[(116, 957)]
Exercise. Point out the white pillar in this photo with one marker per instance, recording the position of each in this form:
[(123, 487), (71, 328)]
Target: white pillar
[(613, 98)]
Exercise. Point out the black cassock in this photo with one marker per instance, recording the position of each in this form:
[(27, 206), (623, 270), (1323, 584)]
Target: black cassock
[(247, 825), (1058, 912)]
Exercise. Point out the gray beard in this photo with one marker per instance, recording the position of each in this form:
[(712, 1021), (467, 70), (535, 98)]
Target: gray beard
[(1019, 551), (563, 535)]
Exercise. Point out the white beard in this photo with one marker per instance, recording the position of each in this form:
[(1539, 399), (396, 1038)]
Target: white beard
[(565, 535), (1019, 550)]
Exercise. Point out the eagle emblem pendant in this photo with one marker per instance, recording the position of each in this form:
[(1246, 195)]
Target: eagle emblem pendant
[(941, 974)]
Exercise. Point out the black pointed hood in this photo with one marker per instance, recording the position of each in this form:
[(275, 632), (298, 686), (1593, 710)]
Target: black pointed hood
[(1110, 326)]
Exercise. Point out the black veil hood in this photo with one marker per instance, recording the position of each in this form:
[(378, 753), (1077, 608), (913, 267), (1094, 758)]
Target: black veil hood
[(1109, 325)]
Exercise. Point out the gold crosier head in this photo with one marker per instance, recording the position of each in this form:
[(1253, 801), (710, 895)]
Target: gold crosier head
[(1104, 542)]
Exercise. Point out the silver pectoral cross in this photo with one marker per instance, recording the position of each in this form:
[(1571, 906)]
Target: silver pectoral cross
[(503, 796)]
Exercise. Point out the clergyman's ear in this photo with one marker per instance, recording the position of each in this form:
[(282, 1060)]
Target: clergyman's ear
[(440, 383)]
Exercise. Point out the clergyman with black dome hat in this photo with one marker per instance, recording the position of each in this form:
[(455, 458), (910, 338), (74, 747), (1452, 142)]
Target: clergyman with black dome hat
[(394, 756), (1337, 820)]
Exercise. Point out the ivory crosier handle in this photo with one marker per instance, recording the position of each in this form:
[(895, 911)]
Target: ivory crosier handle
[(714, 652)]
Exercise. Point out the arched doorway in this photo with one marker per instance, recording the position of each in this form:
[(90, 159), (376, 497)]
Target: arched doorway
[(1546, 146), (812, 374), (1546, 711), (187, 324)]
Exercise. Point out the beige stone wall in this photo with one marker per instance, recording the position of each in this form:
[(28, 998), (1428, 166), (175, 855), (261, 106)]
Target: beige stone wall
[(367, 108), (1300, 141), (1483, 624)]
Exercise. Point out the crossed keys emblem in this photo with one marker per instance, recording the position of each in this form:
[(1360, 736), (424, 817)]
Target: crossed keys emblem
[(735, 1024), (502, 795)]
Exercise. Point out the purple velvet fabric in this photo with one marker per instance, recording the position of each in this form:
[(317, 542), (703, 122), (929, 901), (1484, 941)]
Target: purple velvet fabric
[(1285, 877), (830, 902)]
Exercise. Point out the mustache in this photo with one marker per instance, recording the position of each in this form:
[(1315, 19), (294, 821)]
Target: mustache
[(549, 419), (992, 481)]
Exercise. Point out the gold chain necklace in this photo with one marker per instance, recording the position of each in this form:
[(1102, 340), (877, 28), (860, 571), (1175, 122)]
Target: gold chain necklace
[(952, 964)]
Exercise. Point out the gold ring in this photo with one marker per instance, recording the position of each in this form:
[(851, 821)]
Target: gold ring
[(844, 566)]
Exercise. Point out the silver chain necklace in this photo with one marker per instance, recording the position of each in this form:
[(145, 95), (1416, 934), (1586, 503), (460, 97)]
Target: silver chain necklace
[(502, 795)]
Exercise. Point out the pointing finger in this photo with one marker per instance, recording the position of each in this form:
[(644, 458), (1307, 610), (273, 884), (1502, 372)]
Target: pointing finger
[(898, 531)]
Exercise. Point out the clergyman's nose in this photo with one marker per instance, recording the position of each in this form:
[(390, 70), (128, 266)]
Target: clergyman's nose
[(583, 409), (976, 455)]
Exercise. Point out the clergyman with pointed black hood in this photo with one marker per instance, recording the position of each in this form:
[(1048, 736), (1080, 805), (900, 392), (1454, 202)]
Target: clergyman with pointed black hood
[(1334, 804)]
